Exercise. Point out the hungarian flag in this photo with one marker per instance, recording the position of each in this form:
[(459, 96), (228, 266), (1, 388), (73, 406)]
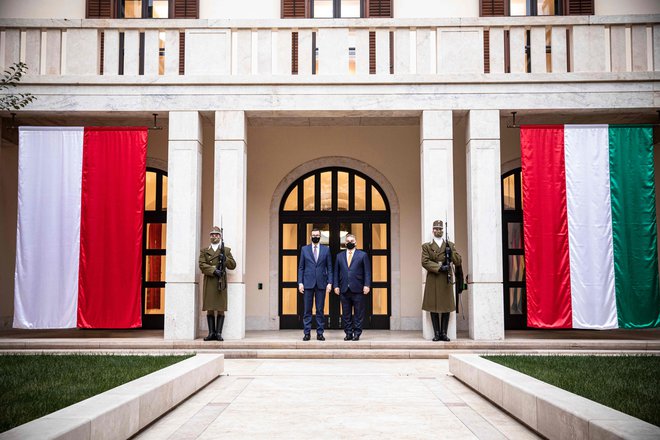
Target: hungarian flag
[(79, 229), (590, 233)]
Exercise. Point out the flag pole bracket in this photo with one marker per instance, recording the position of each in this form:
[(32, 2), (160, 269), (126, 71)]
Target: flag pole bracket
[(156, 126), (513, 121)]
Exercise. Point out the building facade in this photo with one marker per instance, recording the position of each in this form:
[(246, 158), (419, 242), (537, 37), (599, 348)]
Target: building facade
[(373, 117)]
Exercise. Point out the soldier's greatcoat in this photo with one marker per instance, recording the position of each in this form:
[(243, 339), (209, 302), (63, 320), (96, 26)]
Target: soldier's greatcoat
[(214, 299), (438, 294)]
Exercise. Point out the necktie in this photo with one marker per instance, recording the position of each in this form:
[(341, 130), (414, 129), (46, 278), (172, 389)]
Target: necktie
[(316, 253), (350, 257)]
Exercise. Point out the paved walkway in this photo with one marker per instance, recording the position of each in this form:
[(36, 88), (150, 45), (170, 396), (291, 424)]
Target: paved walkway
[(336, 399)]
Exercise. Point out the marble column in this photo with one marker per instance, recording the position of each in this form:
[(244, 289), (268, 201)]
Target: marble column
[(484, 225), (184, 189), (437, 173), (229, 209)]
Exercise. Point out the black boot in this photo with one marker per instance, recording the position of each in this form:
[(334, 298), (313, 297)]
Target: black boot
[(219, 322), (435, 320), (211, 322), (444, 323)]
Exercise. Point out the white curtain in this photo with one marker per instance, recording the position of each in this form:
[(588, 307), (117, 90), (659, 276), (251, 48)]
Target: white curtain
[(48, 227)]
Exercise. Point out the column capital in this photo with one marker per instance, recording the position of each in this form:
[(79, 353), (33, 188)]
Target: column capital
[(482, 124), (436, 124), (185, 126), (230, 125)]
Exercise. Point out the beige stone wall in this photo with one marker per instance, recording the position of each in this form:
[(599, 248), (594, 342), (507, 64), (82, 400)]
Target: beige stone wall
[(274, 151), (618, 7)]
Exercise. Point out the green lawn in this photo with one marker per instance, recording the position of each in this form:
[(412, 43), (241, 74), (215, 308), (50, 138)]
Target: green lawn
[(630, 384), (32, 386)]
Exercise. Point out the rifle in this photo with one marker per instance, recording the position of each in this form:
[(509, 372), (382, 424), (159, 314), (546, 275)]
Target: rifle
[(222, 277), (448, 255)]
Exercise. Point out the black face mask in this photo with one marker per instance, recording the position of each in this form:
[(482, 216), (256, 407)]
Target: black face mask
[(315, 240), (350, 245)]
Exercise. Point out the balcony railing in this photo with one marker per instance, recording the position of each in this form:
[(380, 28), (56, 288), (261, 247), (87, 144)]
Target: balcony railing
[(344, 48)]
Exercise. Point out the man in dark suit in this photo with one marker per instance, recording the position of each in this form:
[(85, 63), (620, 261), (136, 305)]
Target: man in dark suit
[(314, 282), (352, 282)]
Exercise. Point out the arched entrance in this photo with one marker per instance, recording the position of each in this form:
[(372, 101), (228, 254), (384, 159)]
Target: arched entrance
[(336, 200)]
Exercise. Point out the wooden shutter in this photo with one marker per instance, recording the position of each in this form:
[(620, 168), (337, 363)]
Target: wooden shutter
[(379, 8), (100, 9), (486, 51), (294, 53), (372, 53), (294, 9), (493, 8), (102, 53), (185, 8), (579, 7), (182, 53)]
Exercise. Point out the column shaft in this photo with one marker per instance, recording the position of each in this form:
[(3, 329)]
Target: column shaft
[(484, 225), (183, 224), (229, 209), (437, 162)]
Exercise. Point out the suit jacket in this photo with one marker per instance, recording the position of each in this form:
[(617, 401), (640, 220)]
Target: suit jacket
[(353, 278), (315, 274)]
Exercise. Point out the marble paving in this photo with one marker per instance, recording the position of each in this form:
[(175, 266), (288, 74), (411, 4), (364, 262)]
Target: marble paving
[(336, 399)]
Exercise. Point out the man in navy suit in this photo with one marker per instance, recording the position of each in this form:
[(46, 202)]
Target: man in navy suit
[(314, 282), (352, 281)]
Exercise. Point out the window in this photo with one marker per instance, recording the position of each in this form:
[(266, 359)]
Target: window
[(143, 9), (336, 8), (498, 8)]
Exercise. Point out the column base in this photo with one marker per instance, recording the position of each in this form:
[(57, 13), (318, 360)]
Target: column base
[(180, 311), (235, 315), (486, 311), (427, 327)]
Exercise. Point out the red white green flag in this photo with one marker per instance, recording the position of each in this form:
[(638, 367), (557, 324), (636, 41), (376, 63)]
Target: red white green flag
[(590, 228)]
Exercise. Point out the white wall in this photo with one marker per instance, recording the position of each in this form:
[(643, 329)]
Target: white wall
[(620, 7), (435, 8), (247, 9), (71, 9)]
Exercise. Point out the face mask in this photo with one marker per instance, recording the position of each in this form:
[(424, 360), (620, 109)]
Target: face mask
[(215, 240), (350, 245), (315, 240)]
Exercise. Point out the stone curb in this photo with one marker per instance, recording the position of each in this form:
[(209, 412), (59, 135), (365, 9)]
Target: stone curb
[(123, 411), (550, 411)]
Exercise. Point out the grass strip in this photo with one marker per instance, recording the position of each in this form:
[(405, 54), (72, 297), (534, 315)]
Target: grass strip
[(32, 386), (630, 384)]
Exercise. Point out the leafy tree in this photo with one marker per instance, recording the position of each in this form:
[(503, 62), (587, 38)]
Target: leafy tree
[(10, 78)]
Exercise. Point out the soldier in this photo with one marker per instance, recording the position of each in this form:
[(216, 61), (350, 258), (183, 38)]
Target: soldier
[(439, 290), (215, 282)]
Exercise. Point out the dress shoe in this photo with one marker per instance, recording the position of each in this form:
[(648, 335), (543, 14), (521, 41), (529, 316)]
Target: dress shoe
[(348, 338), (356, 337), (306, 337), (443, 337), (320, 337)]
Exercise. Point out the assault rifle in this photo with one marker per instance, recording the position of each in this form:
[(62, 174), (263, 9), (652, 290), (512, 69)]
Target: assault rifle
[(222, 267)]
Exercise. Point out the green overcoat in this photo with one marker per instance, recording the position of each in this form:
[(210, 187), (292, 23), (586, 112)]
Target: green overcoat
[(438, 294), (214, 299)]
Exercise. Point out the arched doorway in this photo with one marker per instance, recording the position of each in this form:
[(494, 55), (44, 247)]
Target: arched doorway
[(515, 299), (337, 201)]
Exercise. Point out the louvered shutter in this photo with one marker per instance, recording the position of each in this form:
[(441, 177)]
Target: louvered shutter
[(294, 9), (493, 8), (379, 8), (486, 51), (182, 53), (100, 9), (579, 7), (372, 53), (185, 8)]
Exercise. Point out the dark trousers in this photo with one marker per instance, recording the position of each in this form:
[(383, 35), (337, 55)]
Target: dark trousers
[(352, 304), (309, 296)]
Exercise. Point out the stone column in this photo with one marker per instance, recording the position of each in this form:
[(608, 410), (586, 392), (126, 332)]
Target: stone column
[(484, 225), (437, 173), (184, 192), (229, 209)]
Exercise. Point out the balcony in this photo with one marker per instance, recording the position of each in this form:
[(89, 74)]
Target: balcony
[(381, 50)]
